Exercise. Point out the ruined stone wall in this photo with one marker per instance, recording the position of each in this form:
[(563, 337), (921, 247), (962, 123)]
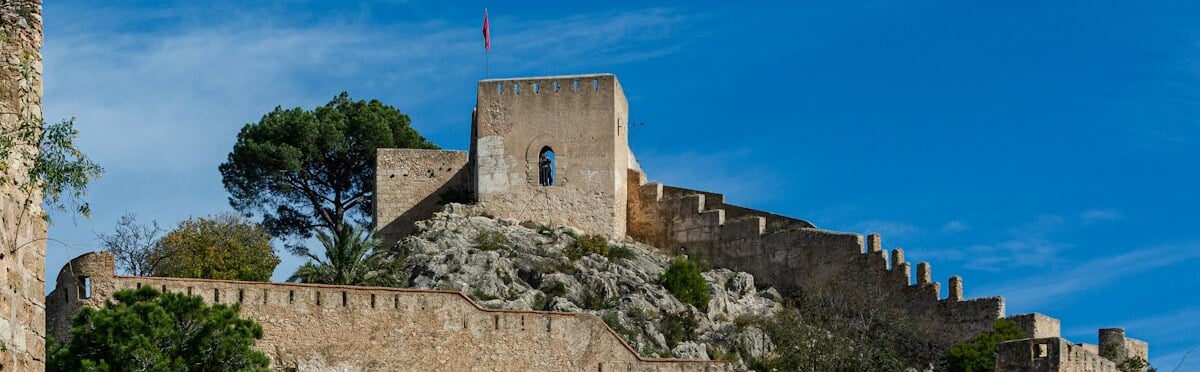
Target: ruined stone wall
[(798, 259), (411, 184), (584, 120), (326, 327), (22, 229), (1037, 325), (1113, 340), (1052, 354)]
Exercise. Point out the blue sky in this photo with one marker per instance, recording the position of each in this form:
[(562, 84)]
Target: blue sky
[(1046, 153)]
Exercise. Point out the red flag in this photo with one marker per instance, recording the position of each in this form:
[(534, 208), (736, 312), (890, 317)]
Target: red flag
[(487, 34)]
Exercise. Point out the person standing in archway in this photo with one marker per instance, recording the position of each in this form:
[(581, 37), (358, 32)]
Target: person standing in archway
[(544, 170)]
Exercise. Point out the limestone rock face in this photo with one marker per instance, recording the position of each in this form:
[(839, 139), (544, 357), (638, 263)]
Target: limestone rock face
[(507, 264)]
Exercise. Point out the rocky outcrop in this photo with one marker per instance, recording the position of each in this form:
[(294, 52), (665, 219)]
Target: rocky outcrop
[(508, 264)]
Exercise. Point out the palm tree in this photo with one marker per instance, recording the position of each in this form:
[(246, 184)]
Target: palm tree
[(351, 258)]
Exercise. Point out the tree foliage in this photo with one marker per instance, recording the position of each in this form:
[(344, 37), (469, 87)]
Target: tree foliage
[(136, 246), (51, 163), (305, 170), (979, 354), (145, 330), (682, 278), (352, 258), (809, 338), (224, 246)]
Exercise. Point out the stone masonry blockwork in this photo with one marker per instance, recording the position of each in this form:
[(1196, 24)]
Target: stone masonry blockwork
[(601, 189), (22, 310), (325, 327), (412, 184)]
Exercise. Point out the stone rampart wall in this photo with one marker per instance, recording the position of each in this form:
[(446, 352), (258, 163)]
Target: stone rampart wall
[(411, 184), (352, 328), (1051, 354), (22, 229), (1036, 325), (799, 259)]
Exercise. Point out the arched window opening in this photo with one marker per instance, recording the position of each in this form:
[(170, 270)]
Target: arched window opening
[(546, 166)]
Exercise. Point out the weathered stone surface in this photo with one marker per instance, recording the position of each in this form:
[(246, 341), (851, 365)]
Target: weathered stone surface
[(531, 271), (22, 229), (325, 327), (412, 184)]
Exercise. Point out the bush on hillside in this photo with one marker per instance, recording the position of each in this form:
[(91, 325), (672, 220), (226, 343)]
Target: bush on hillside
[(684, 281), (587, 245)]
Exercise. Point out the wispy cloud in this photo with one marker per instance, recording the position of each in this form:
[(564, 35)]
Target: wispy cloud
[(955, 226), (1027, 245), (894, 229), (1179, 328), (1182, 325), (1045, 287), (723, 171), (1099, 215), (160, 94)]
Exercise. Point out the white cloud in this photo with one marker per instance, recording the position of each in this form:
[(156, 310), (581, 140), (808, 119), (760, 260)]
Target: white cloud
[(955, 226), (1047, 286), (1099, 215), (724, 172), (1031, 244), (894, 229), (160, 106)]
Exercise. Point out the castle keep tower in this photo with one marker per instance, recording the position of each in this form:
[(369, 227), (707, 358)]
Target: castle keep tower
[(580, 122)]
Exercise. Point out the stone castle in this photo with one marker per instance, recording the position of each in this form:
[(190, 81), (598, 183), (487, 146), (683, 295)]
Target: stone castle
[(552, 150)]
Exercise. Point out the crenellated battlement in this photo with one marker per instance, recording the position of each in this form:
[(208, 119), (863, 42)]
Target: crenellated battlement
[(798, 258), (544, 86), (598, 187), (314, 326)]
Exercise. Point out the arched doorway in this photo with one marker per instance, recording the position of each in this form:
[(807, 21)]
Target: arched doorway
[(546, 166)]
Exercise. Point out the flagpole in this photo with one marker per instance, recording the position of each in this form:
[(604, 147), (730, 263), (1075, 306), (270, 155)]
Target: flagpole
[(487, 46)]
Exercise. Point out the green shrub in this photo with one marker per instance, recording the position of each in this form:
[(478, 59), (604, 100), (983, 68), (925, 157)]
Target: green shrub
[(979, 354), (676, 329), (820, 338), (145, 329), (557, 290), (620, 252), (684, 281), (492, 240), (586, 245), (480, 295), (592, 301), (540, 303)]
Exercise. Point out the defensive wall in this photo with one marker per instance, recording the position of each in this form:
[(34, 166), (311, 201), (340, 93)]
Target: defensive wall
[(309, 326), (22, 229), (600, 188), (412, 184), (1055, 354), (797, 258)]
